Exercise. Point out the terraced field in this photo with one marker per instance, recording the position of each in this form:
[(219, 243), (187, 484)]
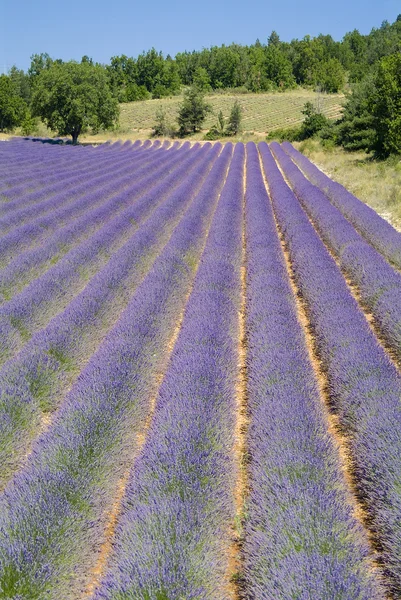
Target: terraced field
[(199, 377), (261, 112)]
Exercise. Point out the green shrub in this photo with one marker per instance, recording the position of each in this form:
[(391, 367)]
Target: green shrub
[(193, 111), (234, 121), (134, 93), (161, 126), (291, 134)]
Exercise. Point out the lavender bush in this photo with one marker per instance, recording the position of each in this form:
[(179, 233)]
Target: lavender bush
[(378, 283), (372, 226), (52, 513), (32, 384), (172, 538), (365, 388), (301, 538)]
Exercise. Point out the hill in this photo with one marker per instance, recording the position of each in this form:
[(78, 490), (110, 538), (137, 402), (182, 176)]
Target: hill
[(262, 113)]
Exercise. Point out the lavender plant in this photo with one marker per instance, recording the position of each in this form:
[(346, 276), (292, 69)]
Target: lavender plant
[(301, 537), (172, 537), (379, 284), (33, 383), (46, 296), (33, 262), (68, 192), (376, 230), (53, 513), (24, 236), (365, 388)]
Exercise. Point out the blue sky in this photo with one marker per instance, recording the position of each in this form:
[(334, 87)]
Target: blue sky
[(105, 28)]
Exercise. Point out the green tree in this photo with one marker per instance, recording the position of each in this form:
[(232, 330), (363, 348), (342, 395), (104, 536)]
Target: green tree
[(87, 59), (39, 62), (193, 111), (273, 39), (234, 120), (13, 109), (218, 129), (150, 67), (278, 68), (21, 83), (73, 97), (170, 77), (314, 121), (224, 61), (134, 93), (305, 60), (187, 63), (330, 75), (202, 80), (386, 106), (356, 129), (161, 126), (123, 74), (257, 79), (167, 82)]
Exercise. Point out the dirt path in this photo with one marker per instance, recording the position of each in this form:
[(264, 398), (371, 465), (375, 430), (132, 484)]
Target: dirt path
[(241, 429)]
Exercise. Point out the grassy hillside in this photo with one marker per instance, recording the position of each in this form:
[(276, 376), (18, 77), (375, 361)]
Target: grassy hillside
[(262, 113)]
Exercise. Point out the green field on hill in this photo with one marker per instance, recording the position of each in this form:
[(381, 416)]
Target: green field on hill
[(262, 113)]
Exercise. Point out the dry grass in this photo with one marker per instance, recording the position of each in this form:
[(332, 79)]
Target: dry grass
[(378, 183), (261, 112)]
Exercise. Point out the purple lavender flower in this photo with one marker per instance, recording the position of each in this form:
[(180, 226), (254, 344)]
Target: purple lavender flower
[(52, 514), (376, 230), (365, 387)]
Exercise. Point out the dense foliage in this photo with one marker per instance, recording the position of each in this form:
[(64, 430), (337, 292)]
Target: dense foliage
[(72, 97), (193, 111), (371, 118), (368, 63), (355, 131), (234, 120), (12, 107), (386, 106)]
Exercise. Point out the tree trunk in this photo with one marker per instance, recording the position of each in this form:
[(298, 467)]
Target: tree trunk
[(74, 136)]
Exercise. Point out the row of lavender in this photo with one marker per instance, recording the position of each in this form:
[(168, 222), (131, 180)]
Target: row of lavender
[(364, 385), (28, 225), (301, 537), (88, 214), (173, 532), (374, 228), (378, 283), (34, 382), (48, 511), (26, 166), (30, 309), (109, 338)]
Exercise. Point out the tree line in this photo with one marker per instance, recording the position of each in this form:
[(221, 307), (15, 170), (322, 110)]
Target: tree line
[(275, 65), (72, 97), (371, 117)]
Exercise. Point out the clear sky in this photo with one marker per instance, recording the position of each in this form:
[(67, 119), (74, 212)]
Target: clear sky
[(68, 29)]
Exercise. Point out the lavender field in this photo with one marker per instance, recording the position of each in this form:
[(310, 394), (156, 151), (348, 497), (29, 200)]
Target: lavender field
[(200, 391)]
